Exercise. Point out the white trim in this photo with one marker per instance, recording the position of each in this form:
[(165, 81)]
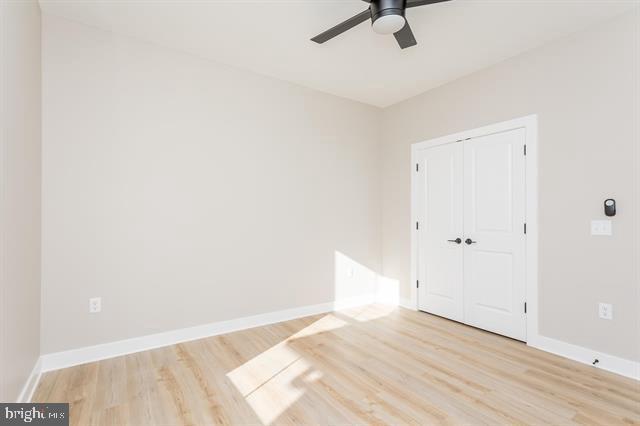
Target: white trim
[(584, 355), (530, 124), (407, 304), (58, 360), (31, 384), (84, 355)]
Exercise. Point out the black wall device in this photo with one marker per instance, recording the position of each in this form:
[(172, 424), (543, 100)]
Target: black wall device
[(610, 207)]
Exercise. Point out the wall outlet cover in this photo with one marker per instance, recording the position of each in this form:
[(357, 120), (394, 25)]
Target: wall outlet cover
[(605, 311), (95, 305)]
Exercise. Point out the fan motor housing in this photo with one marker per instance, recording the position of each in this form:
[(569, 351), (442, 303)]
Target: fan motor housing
[(381, 8)]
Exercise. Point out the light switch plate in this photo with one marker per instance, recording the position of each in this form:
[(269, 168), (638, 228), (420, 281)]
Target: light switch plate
[(601, 227)]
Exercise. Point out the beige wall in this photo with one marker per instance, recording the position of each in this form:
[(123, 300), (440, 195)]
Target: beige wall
[(184, 192), (19, 194), (585, 91)]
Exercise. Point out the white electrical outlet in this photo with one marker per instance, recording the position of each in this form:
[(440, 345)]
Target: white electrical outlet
[(95, 305), (605, 311)]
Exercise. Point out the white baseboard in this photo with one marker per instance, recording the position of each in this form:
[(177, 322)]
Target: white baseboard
[(58, 360), (407, 304), (584, 355), (32, 383)]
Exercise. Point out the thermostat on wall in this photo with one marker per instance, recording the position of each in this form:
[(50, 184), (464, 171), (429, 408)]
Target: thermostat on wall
[(610, 207)]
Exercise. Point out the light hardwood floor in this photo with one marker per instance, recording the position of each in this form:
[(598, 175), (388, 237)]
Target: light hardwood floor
[(371, 365)]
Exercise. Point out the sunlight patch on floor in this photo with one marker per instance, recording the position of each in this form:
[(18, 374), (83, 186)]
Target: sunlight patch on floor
[(275, 379), (368, 313), (272, 399)]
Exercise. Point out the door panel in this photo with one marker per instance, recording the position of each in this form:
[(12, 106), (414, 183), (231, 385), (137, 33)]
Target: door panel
[(491, 200), (440, 215), (495, 271), (494, 217)]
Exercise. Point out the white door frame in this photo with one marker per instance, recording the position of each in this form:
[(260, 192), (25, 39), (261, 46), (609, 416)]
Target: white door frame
[(530, 124)]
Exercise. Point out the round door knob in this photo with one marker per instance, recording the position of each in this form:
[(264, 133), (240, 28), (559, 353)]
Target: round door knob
[(469, 241)]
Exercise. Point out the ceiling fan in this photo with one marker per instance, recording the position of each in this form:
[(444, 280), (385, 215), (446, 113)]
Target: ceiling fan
[(387, 17)]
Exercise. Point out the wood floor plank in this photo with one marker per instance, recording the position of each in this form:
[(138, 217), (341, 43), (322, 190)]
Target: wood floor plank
[(367, 365)]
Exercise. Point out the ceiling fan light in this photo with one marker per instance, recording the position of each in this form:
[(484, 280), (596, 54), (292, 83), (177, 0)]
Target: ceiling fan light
[(389, 24)]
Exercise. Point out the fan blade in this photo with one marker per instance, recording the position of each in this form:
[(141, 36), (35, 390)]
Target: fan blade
[(342, 27), (405, 37), (415, 3)]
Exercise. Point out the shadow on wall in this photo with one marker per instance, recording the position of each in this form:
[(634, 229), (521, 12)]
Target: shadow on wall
[(355, 283)]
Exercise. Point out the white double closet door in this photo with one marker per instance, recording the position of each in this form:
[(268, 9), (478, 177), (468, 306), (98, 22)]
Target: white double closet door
[(471, 243)]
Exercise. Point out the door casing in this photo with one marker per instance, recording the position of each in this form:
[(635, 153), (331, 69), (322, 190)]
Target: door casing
[(530, 125)]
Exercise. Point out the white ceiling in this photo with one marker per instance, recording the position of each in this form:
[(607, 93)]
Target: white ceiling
[(271, 37)]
